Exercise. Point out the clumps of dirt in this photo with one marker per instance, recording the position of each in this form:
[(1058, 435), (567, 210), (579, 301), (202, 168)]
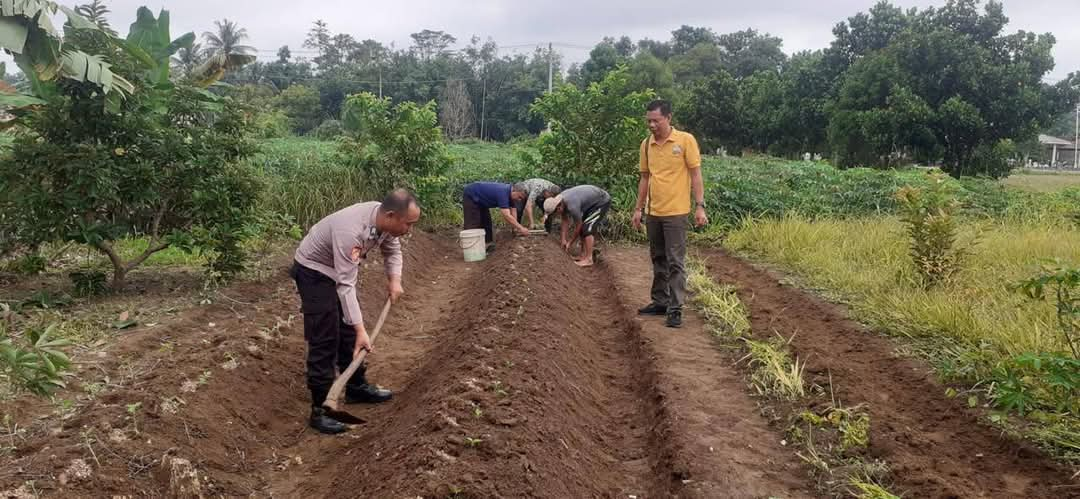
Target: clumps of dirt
[(206, 416), (537, 388)]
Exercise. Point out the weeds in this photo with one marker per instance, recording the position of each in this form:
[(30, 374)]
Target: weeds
[(773, 372), (89, 282), (1065, 283), (724, 312)]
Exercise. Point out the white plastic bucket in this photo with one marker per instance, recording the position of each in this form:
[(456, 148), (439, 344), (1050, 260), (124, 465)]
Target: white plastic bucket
[(472, 245)]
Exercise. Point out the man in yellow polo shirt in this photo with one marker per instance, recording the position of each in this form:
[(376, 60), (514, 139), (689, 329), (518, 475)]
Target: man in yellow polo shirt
[(670, 167)]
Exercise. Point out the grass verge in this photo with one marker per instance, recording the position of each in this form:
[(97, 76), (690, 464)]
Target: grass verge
[(967, 328)]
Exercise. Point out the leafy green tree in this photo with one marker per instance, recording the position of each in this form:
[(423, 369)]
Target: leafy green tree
[(685, 38), (697, 63), (711, 112), (428, 43), (301, 104), (746, 52), (394, 145), (596, 133), (649, 72), (161, 163), (603, 59)]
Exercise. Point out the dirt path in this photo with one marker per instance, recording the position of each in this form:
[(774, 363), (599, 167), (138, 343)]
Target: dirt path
[(936, 447), (716, 437), (535, 390)]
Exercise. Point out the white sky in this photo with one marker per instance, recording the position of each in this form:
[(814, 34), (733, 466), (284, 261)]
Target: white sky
[(802, 24)]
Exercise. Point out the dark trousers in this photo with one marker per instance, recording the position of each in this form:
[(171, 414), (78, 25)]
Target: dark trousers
[(330, 341), (667, 248), (477, 217)]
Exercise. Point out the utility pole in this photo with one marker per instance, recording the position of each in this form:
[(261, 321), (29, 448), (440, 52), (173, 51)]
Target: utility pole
[(483, 105), (551, 66), (1076, 139)]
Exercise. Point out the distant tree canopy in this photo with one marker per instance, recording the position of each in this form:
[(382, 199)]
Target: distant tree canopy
[(943, 85)]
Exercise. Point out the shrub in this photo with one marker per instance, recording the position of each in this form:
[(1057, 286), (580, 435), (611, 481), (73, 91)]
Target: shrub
[(394, 145), (329, 130), (168, 173), (930, 216), (596, 133), (271, 125)]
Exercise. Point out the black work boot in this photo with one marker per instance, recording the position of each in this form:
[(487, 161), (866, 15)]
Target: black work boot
[(652, 309), (324, 423), (674, 318), (359, 391), (367, 394)]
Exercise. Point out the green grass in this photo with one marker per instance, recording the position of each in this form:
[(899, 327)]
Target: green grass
[(968, 327), (865, 263), (304, 179), (1043, 181), (132, 248)]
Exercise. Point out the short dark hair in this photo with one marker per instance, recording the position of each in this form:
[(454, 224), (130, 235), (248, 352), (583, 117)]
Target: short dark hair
[(664, 106), (518, 187), (398, 201)]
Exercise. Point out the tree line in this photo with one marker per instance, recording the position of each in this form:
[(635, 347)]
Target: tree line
[(947, 86)]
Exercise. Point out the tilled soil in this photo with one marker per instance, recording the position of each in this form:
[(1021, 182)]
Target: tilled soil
[(518, 376), (935, 446)]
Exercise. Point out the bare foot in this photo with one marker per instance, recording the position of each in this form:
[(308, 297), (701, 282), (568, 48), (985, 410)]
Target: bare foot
[(583, 263)]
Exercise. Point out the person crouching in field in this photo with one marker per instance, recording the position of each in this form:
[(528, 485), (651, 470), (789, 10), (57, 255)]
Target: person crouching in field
[(325, 270), (480, 197), (537, 190), (587, 207)]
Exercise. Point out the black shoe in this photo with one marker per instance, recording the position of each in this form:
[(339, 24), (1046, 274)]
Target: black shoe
[(652, 309), (596, 256), (674, 319), (490, 248), (367, 394), (325, 424)]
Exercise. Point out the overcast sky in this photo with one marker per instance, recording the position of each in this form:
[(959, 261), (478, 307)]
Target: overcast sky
[(801, 24)]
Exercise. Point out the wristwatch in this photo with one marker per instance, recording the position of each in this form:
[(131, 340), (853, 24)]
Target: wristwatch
[(701, 204)]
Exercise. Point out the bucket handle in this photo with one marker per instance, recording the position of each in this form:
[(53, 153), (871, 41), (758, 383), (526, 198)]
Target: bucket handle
[(471, 245)]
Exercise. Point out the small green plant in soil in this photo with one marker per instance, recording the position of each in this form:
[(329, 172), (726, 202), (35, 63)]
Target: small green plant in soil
[(473, 442), (89, 282), (133, 414), (930, 216), (34, 362)]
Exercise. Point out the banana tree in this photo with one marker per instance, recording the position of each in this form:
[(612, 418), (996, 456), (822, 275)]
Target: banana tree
[(148, 41), (28, 34)]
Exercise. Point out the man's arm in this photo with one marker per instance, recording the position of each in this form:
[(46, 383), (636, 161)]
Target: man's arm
[(577, 233), (529, 213), (563, 228), (697, 184), (392, 262), (642, 192), (508, 215)]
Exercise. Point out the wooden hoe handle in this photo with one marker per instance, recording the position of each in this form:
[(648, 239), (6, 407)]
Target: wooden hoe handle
[(333, 398)]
